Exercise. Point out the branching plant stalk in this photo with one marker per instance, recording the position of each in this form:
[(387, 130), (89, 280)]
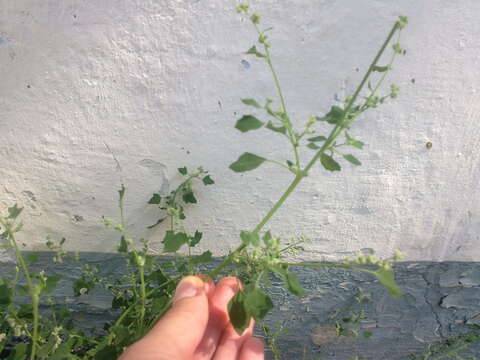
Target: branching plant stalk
[(291, 134), (337, 130)]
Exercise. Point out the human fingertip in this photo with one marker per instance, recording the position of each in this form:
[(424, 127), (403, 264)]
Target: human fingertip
[(189, 286)]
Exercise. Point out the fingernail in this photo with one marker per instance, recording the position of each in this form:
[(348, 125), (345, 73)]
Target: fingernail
[(189, 286)]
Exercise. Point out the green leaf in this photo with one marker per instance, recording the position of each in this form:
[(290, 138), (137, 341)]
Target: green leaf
[(293, 284), (247, 123), (14, 211), (352, 159), (201, 259), (189, 197), (31, 258), (183, 170), (196, 238), (123, 246), (334, 116), (317, 139), (250, 238), (354, 142), (251, 102), (158, 222), (174, 241), (238, 313), (5, 293), (267, 237), (253, 51), (380, 68), (50, 284), (155, 200), (313, 146), (279, 129), (246, 162), (257, 303), (207, 180), (19, 352), (83, 286), (329, 163), (387, 278), (121, 192)]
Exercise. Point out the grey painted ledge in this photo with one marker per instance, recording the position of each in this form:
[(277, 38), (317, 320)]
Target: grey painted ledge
[(440, 301)]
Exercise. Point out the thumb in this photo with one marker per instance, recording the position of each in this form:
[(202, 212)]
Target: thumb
[(178, 333)]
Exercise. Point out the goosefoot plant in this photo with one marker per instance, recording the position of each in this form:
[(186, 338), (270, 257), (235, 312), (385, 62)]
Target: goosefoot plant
[(142, 296)]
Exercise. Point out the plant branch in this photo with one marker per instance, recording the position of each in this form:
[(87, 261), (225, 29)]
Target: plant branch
[(331, 138)]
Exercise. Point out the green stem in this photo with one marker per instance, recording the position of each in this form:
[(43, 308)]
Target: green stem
[(142, 296), (265, 219), (33, 293), (337, 130), (328, 265), (136, 302), (291, 134), (279, 163)]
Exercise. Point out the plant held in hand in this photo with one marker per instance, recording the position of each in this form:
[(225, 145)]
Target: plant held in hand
[(144, 293)]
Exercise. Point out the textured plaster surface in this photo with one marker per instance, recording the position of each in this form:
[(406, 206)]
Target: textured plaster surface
[(159, 82), (441, 300)]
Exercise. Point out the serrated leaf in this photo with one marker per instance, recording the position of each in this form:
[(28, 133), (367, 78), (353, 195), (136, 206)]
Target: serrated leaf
[(174, 241), (334, 116), (159, 221), (329, 163), (248, 123), (279, 129), (183, 170), (201, 259), (380, 68), (253, 51), (238, 313), (293, 284), (250, 238), (207, 180), (246, 162), (155, 200), (257, 303), (189, 197), (251, 102), (352, 159), (317, 138)]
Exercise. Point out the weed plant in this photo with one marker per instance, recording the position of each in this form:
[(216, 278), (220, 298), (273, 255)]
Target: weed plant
[(142, 296)]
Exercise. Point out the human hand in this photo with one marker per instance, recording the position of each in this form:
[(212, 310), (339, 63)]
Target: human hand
[(197, 327)]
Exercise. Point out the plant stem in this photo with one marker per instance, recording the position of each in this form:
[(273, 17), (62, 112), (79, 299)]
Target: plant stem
[(147, 294), (142, 297), (341, 266), (33, 293), (331, 138), (265, 219), (291, 133)]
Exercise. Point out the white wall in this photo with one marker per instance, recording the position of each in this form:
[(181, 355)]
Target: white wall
[(159, 81)]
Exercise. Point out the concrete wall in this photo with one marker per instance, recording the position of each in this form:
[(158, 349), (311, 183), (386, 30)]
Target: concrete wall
[(159, 81)]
